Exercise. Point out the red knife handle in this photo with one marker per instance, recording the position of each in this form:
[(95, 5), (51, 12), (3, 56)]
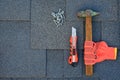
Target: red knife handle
[(73, 57)]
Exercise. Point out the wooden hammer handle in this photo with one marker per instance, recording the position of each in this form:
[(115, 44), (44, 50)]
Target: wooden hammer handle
[(88, 29)]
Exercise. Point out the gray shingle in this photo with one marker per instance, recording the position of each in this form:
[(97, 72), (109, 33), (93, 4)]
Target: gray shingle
[(83, 78), (29, 78), (108, 70), (118, 10), (96, 31), (55, 63), (44, 33), (16, 57), (39, 79), (5, 79), (14, 9), (56, 38), (21, 78), (70, 71), (107, 9), (111, 33), (55, 79)]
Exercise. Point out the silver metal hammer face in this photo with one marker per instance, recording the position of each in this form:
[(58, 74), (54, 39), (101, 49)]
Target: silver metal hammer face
[(86, 13)]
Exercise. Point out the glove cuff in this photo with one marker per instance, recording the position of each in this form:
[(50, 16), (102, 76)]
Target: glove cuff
[(111, 53)]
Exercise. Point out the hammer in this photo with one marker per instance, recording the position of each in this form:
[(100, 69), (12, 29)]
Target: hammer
[(88, 34)]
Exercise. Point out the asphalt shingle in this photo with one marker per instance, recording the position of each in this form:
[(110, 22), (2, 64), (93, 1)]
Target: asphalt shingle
[(96, 31), (56, 38), (83, 78), (5, 79), (118, 10), (107, 9), (108, 70), (111, 33), (14, 9), (21, 78), (55, 79), (29, 78), (17, 59), (55, 63), (70, 71), (39, 79), (44, 33)]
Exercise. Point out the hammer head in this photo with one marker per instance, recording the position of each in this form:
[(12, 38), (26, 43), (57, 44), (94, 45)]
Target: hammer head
[(87, 13)]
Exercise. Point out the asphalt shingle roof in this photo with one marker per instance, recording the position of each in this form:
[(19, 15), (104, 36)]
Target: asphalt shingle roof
[(33, 48), (15, 9), (17, 59)]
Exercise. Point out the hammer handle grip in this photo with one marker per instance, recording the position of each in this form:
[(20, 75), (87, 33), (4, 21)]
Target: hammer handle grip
[(88, 27)]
